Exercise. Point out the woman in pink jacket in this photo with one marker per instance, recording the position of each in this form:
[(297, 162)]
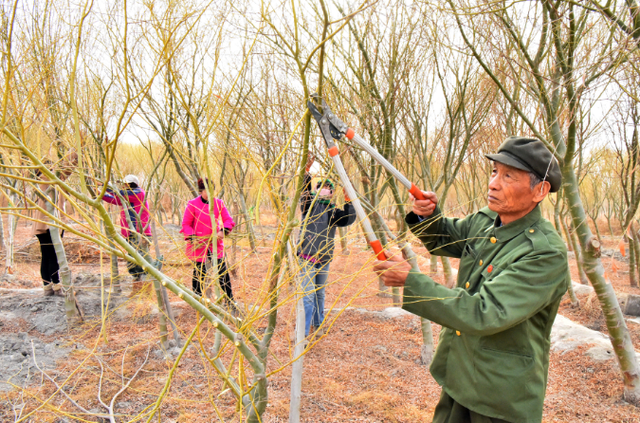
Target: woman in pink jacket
[(135, 206), (199, 234)]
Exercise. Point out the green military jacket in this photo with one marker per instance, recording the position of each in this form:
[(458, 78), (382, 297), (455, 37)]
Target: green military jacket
[(493, 352)]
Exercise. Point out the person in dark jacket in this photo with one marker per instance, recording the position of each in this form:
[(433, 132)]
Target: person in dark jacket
[(492, 359), (320, 220)]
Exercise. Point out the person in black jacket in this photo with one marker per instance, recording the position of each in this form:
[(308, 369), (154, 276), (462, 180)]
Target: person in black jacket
[(315, 252)]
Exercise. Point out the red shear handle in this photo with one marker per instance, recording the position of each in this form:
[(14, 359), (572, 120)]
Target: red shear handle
[(350, 133), (415, 191), (377, 248)]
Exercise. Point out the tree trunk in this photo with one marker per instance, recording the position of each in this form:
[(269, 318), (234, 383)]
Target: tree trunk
[(383, 290), (433, 265), (560, 228), (579, 260), (610, 228), (618, 331), (2, 243), (556, 213), (427, 349), (12, 226), (70, 303), (162, 318), (632, 262), (396, 298), (298, 350), (567, 235), (116, 280), (161, 292), (633, 281), (572, 296), (344, 245), (636, 248), (449, 280), (595, 225), (249, 223), (578, 256), (233, 257)]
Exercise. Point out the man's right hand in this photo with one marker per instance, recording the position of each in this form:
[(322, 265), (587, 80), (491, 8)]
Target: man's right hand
[(425, 207)]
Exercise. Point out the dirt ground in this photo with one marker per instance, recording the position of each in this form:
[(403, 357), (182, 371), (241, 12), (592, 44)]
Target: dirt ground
[(366, 369)]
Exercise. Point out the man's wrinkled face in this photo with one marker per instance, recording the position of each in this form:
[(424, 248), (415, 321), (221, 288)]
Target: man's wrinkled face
[(510, 193)]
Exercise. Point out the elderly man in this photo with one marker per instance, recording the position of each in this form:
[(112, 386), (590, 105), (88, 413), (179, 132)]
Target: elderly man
[(492, 358)]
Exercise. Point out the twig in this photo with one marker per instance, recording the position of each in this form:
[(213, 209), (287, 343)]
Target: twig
[(17, 416), (124, 388), (109, 407), (84, 410), (100, 385)]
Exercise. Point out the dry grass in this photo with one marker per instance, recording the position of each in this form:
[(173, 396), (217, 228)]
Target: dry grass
[(365, 369)]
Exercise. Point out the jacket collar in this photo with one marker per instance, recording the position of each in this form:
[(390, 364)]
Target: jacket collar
[(203, 200), (506, 232)]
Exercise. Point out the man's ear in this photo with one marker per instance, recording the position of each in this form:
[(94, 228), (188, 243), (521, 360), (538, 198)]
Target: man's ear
[(541, 190)]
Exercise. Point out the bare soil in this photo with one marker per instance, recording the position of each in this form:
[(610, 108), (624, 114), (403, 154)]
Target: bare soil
[(366, 369)]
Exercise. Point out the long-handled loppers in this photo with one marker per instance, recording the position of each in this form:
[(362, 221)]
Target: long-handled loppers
[(333, 128)]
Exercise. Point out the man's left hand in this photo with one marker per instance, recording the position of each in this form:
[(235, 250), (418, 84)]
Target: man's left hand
[(394, 271), (220, 234)]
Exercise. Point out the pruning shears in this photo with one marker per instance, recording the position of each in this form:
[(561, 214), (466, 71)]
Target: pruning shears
[(332, 128)]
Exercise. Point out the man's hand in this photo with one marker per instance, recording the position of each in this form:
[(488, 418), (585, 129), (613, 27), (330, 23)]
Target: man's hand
[(394, 271), (220, 234), (426, 207)]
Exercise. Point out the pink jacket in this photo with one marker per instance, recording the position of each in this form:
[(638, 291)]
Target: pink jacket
[(136, 198), (197, 223)]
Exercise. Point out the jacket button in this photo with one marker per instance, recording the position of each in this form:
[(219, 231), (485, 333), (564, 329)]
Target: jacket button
[(493, 240), (531, 231), (480, 263), (466, 285), (458, 332)]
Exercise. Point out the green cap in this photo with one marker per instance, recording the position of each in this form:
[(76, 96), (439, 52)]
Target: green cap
[(323, 182), (531, 155)]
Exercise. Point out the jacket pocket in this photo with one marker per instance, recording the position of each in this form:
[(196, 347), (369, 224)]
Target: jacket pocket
[(508, 375), (469, 252)]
